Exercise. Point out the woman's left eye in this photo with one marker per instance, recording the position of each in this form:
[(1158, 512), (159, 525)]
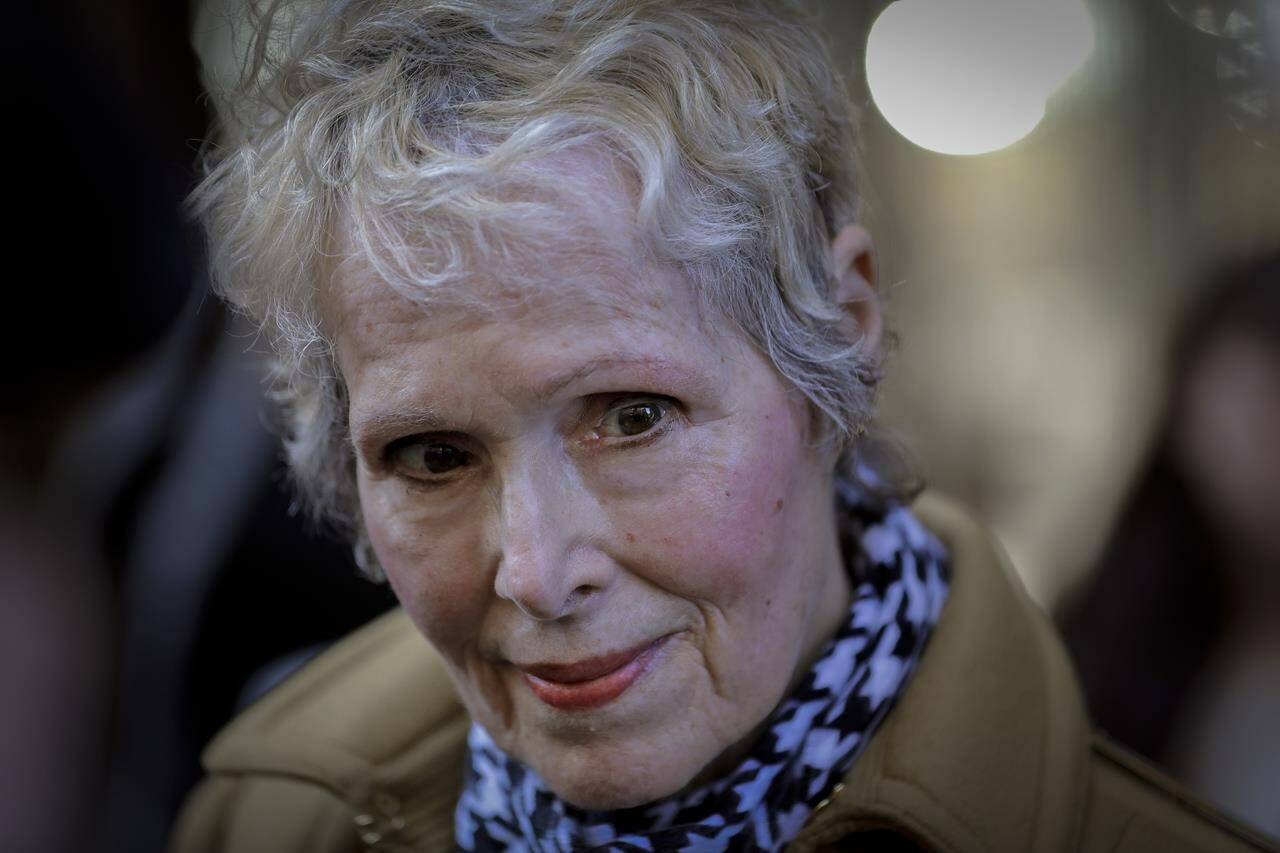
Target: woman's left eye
[(634, 417)]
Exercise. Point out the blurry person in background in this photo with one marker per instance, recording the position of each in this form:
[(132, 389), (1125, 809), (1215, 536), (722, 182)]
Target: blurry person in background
[(1176, 634)]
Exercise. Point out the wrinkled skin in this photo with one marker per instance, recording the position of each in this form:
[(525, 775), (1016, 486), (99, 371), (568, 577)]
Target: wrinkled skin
[(585, 471)]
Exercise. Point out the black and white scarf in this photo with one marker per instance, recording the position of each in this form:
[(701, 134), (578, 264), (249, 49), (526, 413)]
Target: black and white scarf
[(814, 735)]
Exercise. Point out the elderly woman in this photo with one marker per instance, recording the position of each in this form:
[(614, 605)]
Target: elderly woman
[(578, 335)]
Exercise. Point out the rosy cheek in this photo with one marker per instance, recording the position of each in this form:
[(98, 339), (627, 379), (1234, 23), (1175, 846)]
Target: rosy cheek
[(722, 534)]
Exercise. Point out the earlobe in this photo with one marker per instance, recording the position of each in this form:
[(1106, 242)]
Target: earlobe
[(854, 265)]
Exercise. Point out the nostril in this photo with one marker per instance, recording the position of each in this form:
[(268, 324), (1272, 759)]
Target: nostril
[(578, 596)]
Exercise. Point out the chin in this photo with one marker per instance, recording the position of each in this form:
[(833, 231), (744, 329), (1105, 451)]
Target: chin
[(611, 782)]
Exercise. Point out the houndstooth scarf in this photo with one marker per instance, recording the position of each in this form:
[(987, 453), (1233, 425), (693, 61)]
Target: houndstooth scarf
[(813, 736)]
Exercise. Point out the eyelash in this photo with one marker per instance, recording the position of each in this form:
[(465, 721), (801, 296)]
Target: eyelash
[(665, 404), (668, 406), (423, 480)]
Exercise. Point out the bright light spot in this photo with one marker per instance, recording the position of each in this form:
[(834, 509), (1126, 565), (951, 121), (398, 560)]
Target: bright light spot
[(970, 77)]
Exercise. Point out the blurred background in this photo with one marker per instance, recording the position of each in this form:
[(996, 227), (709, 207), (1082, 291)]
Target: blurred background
[(1077, 208)]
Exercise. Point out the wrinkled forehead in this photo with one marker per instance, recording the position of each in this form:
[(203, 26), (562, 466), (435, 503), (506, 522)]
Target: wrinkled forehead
[(494, 235), (566, 242), (561, 230)]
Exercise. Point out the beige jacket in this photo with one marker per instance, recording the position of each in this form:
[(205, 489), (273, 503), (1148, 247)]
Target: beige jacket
[(988, 748)]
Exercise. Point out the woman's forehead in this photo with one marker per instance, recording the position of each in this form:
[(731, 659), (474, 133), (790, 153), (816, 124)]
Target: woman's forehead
[(595, 273), (526, 227), (551, 285), (586, 312), (398, 356), (603, 277)]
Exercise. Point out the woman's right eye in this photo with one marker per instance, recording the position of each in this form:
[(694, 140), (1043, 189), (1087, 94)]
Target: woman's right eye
[(428, 459)]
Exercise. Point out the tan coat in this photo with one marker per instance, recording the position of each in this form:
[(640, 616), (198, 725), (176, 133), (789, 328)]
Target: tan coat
[(988, 749)]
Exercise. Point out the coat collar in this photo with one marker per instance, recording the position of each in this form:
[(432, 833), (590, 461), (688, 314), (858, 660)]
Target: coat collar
[(987, 749)]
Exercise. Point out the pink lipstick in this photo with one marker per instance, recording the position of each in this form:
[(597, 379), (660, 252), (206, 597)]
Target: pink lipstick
[(592, 682)]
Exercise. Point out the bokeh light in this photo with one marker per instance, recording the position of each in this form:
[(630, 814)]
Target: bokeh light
[(973, 77)]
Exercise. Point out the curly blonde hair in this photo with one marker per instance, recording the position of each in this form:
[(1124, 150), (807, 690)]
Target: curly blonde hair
[(407, 122)]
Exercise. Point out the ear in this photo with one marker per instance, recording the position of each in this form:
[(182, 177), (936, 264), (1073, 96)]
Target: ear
[(854, 263)]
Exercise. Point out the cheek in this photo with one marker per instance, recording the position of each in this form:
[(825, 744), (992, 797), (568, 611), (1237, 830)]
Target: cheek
[(722, 532), (431, 569)]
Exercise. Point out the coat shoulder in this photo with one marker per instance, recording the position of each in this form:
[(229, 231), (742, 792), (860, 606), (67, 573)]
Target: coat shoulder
[(227, 814), (1132, 806), (331, 760)]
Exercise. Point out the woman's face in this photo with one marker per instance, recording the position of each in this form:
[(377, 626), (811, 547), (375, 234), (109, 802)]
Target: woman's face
[(603, 511)]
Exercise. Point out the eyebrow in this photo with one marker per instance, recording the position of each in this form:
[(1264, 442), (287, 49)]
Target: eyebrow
[(653, 368), (368, 430)]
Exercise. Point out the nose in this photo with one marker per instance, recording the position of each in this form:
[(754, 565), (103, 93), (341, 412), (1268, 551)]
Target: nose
[(547, 566)]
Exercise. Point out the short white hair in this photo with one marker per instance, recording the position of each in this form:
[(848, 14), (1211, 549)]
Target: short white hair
[(408, 123)]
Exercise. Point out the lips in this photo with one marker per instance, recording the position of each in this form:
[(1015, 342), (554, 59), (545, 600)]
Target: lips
[(592, 682)]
